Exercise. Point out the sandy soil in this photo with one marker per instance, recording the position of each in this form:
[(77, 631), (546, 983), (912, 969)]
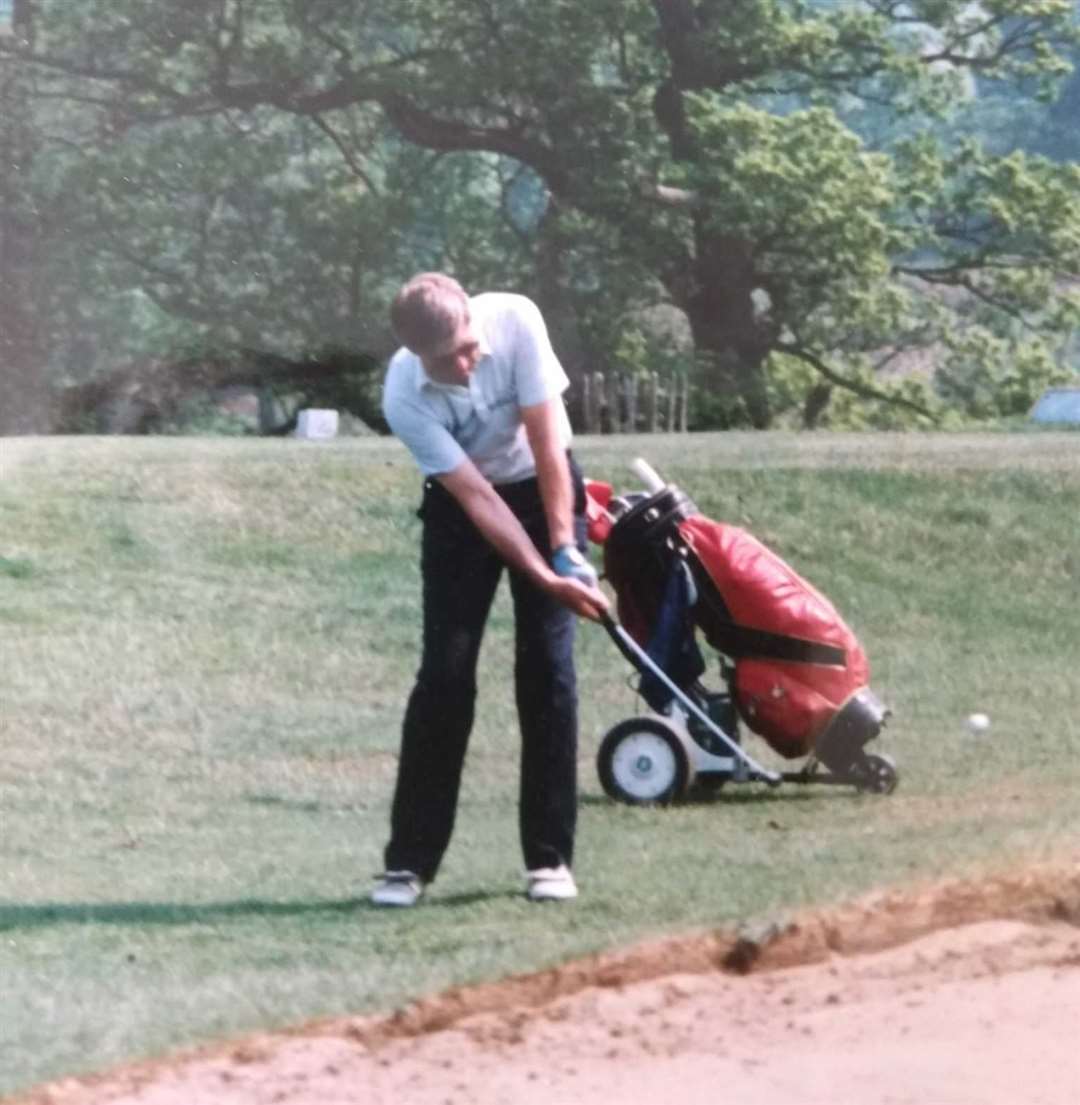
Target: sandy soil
[(965, 992)]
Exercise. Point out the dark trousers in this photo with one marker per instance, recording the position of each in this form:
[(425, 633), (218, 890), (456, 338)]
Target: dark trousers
[(461, 572)]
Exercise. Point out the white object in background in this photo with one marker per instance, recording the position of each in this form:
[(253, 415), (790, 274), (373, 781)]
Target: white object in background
[(978, 723), (648, 475), (313, 424)]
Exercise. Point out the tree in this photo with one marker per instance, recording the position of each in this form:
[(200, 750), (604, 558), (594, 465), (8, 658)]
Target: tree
[(245, 243), (693, 152), (24, 399)]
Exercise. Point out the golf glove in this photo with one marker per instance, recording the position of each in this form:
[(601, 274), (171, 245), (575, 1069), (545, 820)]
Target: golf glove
[(568, 562)]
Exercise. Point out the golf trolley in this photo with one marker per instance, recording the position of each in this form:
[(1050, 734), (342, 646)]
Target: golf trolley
[(791, 670)]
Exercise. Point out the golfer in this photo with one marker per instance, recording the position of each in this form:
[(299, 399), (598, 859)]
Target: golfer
[(476, 396)]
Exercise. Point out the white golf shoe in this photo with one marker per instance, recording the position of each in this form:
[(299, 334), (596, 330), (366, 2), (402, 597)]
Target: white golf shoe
[(550, 884), (397, 888)]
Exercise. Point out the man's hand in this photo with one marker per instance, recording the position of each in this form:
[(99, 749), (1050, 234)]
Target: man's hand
[(569, 562), (585, 597), (501, 528), (586, 602)]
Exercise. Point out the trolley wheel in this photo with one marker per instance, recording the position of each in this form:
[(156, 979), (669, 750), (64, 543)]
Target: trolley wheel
[(877, 773), (642, 761)]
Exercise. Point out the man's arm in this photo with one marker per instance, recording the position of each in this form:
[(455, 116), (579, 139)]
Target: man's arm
[(501, 528), (552, 470)]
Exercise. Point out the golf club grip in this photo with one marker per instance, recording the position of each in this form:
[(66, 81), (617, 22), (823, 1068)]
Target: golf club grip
[(648, 475)]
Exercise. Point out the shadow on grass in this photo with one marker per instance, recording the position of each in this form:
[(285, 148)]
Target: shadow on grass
[(473, 897), (16, 916), (730, 796), (449, 901), (794, 792)]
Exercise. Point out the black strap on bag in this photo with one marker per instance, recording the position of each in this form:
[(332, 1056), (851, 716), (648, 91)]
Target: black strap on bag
[(740, 641)]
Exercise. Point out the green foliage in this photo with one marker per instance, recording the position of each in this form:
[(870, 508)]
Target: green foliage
[(848, 412), (643, 347), (797, 389), (201, 416), (986, 377), (800, 186), (788, 173), (264, 242), (790, 383)]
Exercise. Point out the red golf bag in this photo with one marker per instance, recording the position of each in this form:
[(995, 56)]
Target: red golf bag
[(798, 675)]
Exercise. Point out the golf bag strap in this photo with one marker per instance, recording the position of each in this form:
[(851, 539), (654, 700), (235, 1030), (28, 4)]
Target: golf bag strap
[(740, 641)]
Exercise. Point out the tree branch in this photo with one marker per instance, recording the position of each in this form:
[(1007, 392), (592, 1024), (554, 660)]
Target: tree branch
[(426, 129), (865, 391), (357, 170), (1023, 35), (964, 280), (669, 196)]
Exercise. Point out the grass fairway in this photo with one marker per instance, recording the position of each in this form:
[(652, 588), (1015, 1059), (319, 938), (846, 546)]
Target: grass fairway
[(205, 648)]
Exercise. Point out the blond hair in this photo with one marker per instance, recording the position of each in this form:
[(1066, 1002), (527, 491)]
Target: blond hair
[(428, 310)]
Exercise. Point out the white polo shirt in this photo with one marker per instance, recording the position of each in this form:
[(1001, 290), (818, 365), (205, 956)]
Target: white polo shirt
[(442, 424)]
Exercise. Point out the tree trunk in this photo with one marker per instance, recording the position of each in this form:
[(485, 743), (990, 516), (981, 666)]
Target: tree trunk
[(815, 404), (24, 391), (715, 288), (557, 307), (724, 325)]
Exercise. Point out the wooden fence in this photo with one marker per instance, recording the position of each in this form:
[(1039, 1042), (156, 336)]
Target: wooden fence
[(629, 404)]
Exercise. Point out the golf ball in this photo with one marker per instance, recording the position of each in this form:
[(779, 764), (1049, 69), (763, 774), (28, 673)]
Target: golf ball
[(978, 723)]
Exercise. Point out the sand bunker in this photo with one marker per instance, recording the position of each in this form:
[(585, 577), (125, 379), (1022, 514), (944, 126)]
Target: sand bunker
[(965, 992)]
